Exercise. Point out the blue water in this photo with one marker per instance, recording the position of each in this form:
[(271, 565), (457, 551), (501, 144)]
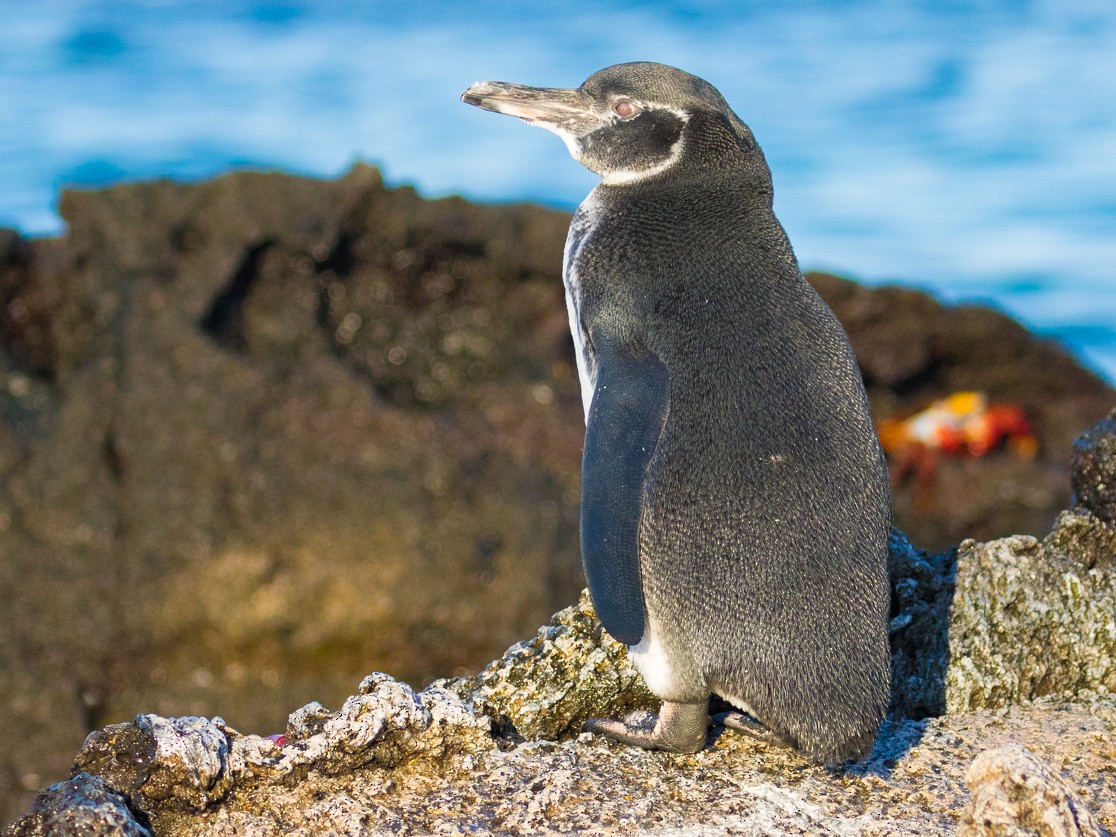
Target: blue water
[(966, 148)]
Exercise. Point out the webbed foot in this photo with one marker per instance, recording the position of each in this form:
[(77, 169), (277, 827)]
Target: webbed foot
[(752, 728), (678, 728)]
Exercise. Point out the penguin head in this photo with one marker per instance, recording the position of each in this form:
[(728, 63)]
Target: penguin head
[(632, 122)]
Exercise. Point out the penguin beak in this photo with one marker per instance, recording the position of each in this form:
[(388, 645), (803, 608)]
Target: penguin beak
[(568, 111)]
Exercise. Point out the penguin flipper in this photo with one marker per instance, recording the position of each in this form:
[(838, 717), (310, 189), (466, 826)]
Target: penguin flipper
[(626, 416)]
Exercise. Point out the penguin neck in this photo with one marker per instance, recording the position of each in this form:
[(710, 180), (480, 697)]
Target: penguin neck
[(623, 177), (731, 184), (702, 165)]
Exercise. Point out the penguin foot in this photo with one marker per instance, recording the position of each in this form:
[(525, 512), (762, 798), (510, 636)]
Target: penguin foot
[(678, 728), (752, 728)]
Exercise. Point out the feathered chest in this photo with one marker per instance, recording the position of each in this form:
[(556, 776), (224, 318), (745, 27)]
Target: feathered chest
[(574, 269)]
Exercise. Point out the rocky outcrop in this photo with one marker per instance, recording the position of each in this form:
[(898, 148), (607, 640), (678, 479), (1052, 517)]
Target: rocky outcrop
[(263, 434), (1013, 639), (913, 349), (914, 783), (83, 805), (999, 623), (1014, 792)]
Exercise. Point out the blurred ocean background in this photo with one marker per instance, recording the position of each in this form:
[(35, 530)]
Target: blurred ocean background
[(967, 148)]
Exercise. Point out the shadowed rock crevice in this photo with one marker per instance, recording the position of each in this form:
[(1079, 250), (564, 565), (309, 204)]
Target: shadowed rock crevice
[(1093, 473), (223, 322), (25, 302), (922, 592)]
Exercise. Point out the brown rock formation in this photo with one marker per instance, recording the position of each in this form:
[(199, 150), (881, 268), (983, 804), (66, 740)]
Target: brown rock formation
[(261, 435)]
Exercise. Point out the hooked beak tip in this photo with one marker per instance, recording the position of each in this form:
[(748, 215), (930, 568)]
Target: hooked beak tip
[(479, 92), (470, 96)]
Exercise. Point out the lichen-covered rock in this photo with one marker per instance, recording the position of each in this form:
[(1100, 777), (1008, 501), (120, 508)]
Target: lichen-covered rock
[(1032, 618), (546, 687), (84, 805), (1028, 621), (386, 723), (985, 626), (1084, 538), (913, 783), (170, 768), (1011, 620), (1015, 793)]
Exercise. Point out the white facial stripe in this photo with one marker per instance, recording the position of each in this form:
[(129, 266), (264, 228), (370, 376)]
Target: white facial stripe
[(569, 139), (624, 176)]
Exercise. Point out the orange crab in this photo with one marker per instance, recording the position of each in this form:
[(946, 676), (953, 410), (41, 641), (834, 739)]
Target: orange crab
[(964, 424)]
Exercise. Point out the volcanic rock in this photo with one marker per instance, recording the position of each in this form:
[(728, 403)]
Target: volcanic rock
[(263, 434)]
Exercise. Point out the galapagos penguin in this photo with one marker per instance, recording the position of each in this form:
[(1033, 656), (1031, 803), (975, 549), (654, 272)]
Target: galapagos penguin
[(735, 502)]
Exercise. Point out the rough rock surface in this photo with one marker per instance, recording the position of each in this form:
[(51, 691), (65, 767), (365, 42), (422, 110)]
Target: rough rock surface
[(1016, 793), (913, 783), (1093, 474), (262, 434), (548, 686), (84, 805), (1013, 639)]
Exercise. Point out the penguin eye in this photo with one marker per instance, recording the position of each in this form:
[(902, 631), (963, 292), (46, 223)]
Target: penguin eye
[(625, 108)]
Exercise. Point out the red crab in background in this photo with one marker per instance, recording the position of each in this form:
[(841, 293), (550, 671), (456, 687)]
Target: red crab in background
[(964, 424)]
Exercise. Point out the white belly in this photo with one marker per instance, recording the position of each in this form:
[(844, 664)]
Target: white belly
[(651, 661), (581, 228), (588, 379)]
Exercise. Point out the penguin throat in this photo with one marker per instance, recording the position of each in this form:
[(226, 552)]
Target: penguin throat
[(623, 177), (568, 137)]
